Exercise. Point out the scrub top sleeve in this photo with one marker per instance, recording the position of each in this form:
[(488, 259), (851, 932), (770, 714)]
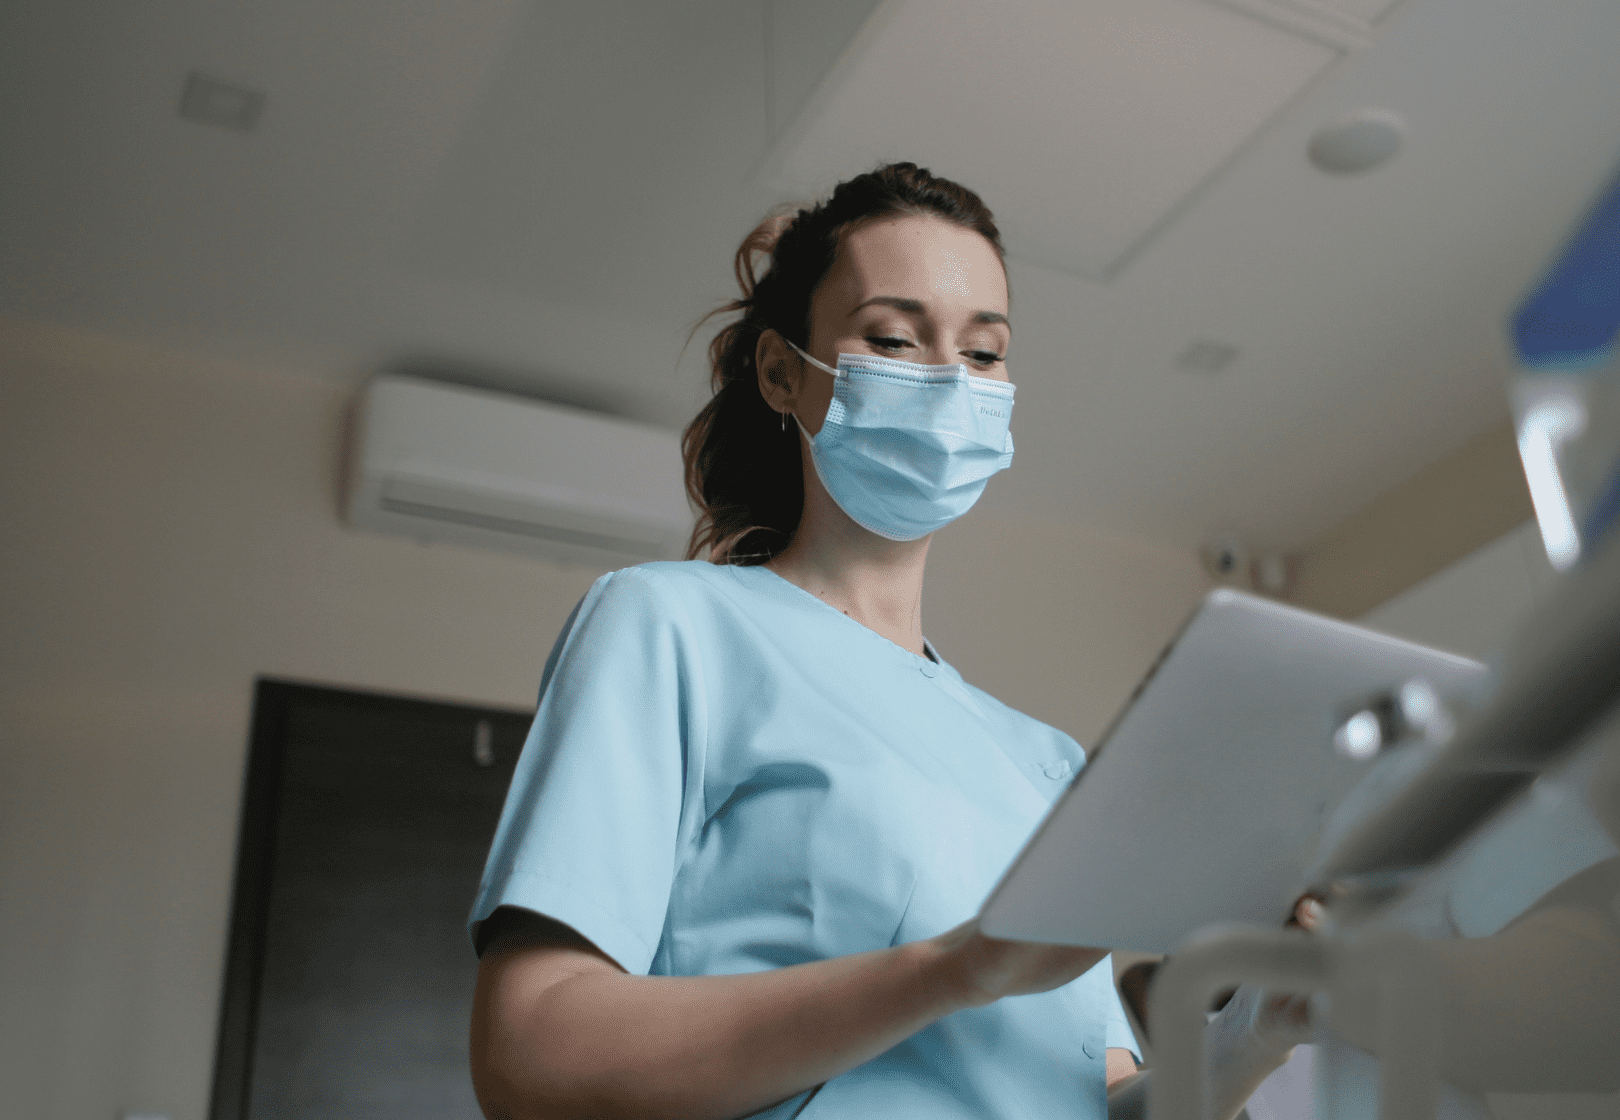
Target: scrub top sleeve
[(589, 834), (1117, 1031)]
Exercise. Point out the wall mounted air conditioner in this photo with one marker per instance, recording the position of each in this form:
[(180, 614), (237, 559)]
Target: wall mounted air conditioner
[(440, 462)]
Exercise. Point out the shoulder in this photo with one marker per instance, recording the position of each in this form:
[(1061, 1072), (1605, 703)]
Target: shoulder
[(675, 592), (644, 617), (680, 575), (669, 581), (659, 578)]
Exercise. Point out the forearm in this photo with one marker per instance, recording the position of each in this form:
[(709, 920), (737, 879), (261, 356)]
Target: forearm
[(605, 1044)]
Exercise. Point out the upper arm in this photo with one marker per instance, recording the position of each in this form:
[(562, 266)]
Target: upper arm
[(522, 955), (1118, 1065)]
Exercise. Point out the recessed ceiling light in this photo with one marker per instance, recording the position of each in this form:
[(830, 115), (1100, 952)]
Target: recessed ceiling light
[(211, 101), (1206, 356), (1357, 142)]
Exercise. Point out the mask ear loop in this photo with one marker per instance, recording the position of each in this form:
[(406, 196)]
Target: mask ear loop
[(812, 361), (818, 364)]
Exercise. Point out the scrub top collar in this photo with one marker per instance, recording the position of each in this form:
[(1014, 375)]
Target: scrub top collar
[(793, 589)]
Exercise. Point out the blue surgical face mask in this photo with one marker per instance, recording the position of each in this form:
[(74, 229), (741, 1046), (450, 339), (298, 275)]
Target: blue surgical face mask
[(906, 449)]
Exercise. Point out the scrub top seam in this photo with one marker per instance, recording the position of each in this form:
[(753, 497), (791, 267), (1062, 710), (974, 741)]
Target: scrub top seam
[(688, 841), (968, 703)]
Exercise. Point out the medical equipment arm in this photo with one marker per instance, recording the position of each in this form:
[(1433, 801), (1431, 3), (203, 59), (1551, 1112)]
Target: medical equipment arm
[(559, 1030), (1249, 1039), (1534, 1008)]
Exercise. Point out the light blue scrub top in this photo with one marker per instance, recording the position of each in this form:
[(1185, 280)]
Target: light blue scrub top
[(726, 775)]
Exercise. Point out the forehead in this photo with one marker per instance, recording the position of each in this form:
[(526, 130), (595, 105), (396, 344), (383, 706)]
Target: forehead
[(919, 257)]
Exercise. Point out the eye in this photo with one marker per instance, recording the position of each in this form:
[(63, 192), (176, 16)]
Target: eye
[(983, 357), (888, 342)]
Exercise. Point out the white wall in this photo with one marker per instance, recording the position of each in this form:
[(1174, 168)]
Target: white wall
[(168, 531), (1054, 620), (1472, 606)]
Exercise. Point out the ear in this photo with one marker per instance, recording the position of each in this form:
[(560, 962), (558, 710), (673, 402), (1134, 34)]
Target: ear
[(781, 371)]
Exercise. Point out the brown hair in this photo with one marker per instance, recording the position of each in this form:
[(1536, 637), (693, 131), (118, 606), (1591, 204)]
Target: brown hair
[(743, 471)]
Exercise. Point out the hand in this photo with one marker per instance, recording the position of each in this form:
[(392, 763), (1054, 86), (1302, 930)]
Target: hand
[(1257, 1029), (1282, 1021), (1267, 1025), (1254, 1034), (989, 968)]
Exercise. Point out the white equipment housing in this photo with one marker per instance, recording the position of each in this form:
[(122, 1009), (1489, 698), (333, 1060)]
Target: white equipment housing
[(442, 462)]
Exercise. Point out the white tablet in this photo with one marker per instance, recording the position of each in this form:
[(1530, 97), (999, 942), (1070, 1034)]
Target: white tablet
[(1203, 802)]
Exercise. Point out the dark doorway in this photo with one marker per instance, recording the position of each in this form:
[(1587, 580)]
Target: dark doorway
[(366, 819)]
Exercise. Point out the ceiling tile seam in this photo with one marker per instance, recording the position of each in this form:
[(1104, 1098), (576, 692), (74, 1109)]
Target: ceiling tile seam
[(768, 170), (1115, 267), (1308, 21)]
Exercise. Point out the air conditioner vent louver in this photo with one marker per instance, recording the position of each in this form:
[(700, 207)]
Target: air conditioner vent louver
[(441, 462), (521, 528)]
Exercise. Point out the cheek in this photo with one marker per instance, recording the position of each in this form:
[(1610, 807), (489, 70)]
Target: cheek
[(814, 399)]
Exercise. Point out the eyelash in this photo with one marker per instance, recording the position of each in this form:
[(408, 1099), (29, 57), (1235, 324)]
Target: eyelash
[(885, 342)]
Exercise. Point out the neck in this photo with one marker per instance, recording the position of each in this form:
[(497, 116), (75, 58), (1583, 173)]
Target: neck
[(876, 582)]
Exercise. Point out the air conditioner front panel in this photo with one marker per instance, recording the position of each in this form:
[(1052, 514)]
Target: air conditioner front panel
[(442, 462)]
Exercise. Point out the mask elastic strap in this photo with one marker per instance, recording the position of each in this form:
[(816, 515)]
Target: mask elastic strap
[(984, 383), (808, 358), (813, 362)]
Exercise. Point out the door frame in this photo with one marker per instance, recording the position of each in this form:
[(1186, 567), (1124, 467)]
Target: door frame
[(273, 699)]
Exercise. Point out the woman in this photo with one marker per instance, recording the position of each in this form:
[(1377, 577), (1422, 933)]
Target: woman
[(756, 805)]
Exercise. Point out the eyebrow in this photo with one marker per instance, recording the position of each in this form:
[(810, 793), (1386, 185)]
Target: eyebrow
[(915, 307)]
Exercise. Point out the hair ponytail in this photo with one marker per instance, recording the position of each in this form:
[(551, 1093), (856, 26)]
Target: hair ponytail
[(743, 468)]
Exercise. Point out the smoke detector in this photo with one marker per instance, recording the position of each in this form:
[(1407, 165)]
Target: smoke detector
[(1357, 142), (1206, 356)]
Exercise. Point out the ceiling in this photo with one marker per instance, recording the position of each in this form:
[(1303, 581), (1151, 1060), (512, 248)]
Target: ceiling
[(546, 197), (1129, 105)]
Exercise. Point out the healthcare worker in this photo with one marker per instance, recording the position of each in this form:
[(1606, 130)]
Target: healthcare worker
[(738, 862)]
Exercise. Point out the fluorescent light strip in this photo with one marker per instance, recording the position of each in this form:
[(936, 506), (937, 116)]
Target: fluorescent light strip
[(1544, 428)]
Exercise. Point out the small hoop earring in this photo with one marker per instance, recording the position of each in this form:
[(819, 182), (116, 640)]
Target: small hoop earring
[(784, 421)]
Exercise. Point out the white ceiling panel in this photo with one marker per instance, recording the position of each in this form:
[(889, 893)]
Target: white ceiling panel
[(1117, 111), (1366, 11)]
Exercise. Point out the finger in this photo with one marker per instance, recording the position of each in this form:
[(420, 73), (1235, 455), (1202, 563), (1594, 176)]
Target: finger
[(1309, 914)]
